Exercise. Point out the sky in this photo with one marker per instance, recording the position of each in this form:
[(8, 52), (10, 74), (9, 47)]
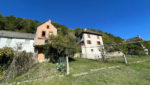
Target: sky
[(123, 18)]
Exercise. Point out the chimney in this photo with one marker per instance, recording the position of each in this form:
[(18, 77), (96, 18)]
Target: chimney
[(49, 20)]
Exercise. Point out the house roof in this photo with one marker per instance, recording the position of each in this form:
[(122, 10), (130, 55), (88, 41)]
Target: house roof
[(11, 34), (89, 32)]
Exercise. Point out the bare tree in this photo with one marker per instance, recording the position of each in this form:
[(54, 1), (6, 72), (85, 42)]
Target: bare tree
[(102, 50)]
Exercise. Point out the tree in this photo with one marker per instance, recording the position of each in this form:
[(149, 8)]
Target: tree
[(60, 45), (13, 23), (78, 31)]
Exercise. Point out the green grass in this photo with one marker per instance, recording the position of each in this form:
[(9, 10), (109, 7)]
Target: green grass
[(83, 65), (131, 74), (38, 71)]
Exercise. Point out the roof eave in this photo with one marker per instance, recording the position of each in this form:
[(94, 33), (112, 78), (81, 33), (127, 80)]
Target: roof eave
[(89, 33)]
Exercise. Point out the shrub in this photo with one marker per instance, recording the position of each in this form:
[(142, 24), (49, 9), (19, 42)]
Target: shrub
[(20, 64), (6, 55)]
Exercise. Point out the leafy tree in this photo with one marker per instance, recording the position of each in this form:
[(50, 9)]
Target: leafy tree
[(60, 46), (147, 45), (78, 31)]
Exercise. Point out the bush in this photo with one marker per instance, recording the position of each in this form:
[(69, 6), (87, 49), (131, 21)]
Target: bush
[(6, 56), (130, 49), (60, 67), (21, 63), (135, 49)]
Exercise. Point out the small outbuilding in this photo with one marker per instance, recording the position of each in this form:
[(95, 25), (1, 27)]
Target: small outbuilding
[(16, 40)]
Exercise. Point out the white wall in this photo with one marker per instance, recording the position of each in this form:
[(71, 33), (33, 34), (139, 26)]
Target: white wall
[(27, 44), (86, 48)]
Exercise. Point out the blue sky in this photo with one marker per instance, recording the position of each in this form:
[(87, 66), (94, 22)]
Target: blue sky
[(124, 18)]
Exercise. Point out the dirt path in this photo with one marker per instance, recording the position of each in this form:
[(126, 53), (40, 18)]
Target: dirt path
[(95, 70)]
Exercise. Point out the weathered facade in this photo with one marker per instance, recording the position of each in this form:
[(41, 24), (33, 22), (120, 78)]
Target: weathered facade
[(91, 44), (27, 41), (17, 41), (42, 34)]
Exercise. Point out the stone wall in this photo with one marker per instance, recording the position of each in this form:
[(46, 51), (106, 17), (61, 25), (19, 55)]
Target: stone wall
[(114, 54), (77, 55)]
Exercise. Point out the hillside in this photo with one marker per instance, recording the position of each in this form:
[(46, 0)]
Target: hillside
[(101, 72), (18, 24)]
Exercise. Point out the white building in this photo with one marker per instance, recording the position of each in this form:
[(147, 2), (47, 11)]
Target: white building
[(91, 44), (16, 40)]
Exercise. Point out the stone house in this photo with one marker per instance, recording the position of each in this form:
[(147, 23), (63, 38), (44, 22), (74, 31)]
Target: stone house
[(42, 34), (91, 44)]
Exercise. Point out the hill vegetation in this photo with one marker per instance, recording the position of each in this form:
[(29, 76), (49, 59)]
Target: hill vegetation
[(12, 23)]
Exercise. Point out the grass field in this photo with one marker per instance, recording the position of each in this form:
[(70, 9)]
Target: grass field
[(131, 74)]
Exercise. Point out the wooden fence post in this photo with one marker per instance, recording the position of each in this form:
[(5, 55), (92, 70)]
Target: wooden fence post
[(125, 59), (67, 65)]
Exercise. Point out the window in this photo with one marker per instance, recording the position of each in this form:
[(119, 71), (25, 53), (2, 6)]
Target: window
[(50, 33), (98, 43), (97, 37), (27, 41), (47, 26), (43, 33), (88, 42), (82, 43), (89, 36), (92, 50), (8, 41)]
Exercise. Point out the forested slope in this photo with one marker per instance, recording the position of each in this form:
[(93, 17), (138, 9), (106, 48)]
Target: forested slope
[(18, 24)]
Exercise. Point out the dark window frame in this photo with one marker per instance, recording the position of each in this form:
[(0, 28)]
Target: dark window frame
[(47, 26), (98, 43), (82, 43), (89, 42), (43, 33)]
